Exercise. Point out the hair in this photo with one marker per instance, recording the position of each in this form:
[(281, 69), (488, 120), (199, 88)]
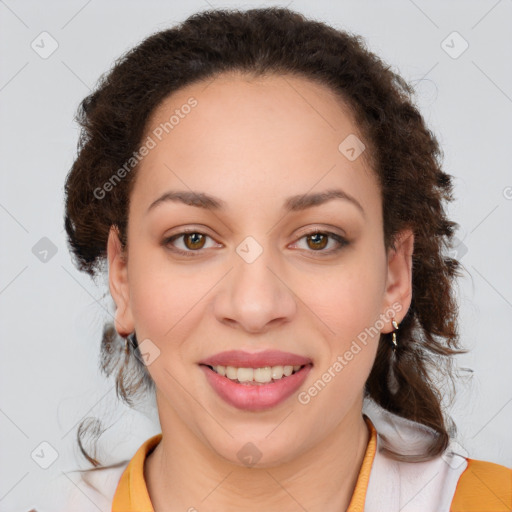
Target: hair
[(404, 154)]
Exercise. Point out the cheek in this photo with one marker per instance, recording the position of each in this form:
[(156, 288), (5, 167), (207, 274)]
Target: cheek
[(346, 358), (349, 307), (350, 300), (158, 298)]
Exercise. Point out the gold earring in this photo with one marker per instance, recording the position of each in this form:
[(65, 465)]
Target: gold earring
[(395, 325)]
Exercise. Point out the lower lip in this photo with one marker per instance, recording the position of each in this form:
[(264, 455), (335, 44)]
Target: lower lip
[(255, 397)]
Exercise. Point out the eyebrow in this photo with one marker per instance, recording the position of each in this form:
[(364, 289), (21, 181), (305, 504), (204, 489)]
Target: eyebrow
[(292, 204)]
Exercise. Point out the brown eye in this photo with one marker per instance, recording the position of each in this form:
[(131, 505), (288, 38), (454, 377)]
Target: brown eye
[(194, 240), (319, 240), (316, 241), (193, 243)]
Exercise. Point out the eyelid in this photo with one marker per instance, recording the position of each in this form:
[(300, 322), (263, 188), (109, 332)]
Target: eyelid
[(323, 229)]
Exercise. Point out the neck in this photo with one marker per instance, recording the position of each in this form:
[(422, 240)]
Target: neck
[(184, 474)]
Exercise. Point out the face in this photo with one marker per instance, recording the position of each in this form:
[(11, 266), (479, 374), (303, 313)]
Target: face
[(257, 268)]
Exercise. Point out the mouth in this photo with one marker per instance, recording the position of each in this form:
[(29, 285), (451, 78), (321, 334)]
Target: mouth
[(256, 376), (255, 389)]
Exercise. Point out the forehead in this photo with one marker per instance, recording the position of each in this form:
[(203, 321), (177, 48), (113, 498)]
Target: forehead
[(250, 139)]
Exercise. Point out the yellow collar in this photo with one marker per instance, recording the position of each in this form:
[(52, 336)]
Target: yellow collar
[(132, 494)]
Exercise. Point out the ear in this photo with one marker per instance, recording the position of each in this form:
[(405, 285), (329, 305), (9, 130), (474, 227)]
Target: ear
[(118, 283), (398, 295)]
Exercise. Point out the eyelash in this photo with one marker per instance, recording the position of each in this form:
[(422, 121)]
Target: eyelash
[(343, 242)]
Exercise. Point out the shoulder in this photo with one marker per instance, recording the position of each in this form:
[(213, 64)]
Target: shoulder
[(82, 490), (450, 482), (483, 486), (95, 489)]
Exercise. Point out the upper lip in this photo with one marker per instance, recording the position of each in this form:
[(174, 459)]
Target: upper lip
[(242, 359)]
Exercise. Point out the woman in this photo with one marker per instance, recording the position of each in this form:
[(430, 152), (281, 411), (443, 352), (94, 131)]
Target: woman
[(270, 204)]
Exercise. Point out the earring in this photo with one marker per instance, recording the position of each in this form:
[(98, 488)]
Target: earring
[(392, 380), (395, 325), (132, 340)]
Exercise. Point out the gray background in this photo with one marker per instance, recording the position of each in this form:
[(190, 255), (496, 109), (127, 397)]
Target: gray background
[(52, 315)]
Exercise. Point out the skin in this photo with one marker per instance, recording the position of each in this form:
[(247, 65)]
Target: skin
[(253, 143)]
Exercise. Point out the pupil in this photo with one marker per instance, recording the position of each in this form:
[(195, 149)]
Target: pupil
[(196, 238), (315, 238)]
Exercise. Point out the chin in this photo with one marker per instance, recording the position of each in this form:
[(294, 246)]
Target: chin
[(259, 452)]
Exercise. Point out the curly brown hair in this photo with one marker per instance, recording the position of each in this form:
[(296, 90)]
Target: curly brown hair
[(403, 153)]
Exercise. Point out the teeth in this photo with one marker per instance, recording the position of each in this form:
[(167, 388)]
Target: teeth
[(231, 372), (261, 375), (246, 374), (277, 372)]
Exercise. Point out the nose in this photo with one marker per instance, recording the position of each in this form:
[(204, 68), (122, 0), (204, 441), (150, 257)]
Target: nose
[(255, 295)]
